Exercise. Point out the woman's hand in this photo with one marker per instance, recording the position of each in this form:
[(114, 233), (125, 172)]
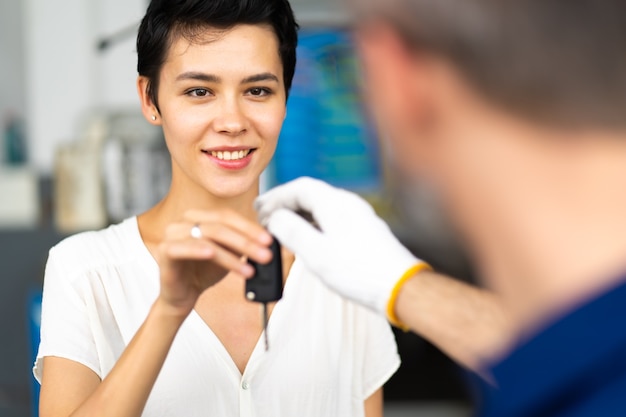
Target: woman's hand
[(190, 264)]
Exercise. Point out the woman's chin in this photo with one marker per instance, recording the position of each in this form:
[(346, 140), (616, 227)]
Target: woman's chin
[(227, 190)]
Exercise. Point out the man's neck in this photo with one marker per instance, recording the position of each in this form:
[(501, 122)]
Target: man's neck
[(567, 229)]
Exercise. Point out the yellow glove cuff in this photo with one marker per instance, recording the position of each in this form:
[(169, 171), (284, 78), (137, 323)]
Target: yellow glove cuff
[(391, 305)]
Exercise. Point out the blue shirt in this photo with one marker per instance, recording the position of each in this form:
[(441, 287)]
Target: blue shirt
[(576, 367)]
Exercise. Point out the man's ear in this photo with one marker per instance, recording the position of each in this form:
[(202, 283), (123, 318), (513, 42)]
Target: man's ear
[(396, 77), (148, 108)]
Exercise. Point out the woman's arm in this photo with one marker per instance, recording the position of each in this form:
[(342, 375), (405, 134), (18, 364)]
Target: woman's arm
[(374, 404), (71, 389), (188, 266)]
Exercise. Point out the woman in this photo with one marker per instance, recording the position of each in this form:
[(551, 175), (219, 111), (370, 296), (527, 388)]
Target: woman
[(148, 317)]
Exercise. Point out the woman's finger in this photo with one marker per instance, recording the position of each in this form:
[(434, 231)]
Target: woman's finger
[(236, 242), (187, 249), (202, 250), (223, 235), (236, 221), (231, 262)]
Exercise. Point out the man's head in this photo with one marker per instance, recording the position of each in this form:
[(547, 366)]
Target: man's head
[(504, 105), (554, 61), (166, 20)]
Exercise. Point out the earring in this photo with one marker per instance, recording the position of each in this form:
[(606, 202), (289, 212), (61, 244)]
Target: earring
[(153, 118)]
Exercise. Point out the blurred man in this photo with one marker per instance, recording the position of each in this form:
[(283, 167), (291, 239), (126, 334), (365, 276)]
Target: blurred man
[(515, 110)]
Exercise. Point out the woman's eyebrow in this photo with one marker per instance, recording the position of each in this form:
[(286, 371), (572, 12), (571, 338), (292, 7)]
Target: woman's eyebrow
[(266, 76), (199, 76)]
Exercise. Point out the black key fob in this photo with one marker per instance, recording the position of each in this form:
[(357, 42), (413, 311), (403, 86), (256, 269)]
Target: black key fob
[(267, 284), (309, 218)]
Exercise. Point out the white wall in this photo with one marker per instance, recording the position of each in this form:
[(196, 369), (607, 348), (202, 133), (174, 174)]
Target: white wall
[(11, 62), (319, 12), (65, 76), (59, 67), (118, 65)]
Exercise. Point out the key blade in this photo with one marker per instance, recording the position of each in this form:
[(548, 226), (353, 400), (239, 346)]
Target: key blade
[(265, 320)]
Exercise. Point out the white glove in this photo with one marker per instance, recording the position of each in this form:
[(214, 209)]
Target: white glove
[(355, 253)]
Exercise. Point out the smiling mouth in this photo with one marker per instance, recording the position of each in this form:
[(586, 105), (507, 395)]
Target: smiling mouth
[(231, 155)]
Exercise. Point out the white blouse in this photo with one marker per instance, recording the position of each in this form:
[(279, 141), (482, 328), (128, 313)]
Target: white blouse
[(327, 355)]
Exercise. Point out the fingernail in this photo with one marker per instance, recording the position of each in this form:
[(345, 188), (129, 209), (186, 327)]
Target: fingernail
[(265, 254), (247, 271), (266, 238)]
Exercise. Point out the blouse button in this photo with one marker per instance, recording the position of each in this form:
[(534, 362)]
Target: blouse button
[(245, 385)]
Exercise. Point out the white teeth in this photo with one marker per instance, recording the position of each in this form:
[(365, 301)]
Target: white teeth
[(230, 156)]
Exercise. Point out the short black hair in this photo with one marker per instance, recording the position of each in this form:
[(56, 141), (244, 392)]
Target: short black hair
[(167, 19), (559, 62)]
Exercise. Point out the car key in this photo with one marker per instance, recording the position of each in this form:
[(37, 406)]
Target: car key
[(306, 215), (267, 283)]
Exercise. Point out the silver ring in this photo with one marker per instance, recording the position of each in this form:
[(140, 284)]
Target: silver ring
[(196, 232)]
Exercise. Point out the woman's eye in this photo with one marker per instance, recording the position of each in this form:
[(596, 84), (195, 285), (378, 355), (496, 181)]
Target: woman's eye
[(198, 92), (259, 91)]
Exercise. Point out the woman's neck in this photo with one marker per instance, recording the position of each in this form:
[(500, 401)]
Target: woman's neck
[(179, 200)]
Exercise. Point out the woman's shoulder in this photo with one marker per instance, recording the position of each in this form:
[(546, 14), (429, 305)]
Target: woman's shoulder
[(115, 244)]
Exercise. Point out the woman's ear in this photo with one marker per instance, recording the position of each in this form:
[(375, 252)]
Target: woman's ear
[(148, 108)]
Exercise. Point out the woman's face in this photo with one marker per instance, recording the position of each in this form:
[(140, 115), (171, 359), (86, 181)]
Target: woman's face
[(222, 107)]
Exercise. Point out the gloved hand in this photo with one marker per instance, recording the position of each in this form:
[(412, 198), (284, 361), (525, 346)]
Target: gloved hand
[(353, 252)]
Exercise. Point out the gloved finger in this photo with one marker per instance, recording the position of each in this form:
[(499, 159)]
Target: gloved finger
[(298, 236), (301, 194)]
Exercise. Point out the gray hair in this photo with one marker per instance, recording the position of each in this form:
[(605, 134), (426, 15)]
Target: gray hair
[(556, 61)]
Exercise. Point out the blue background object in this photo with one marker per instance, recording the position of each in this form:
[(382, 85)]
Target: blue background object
[(15, 143), (326, 134), (34, 325)]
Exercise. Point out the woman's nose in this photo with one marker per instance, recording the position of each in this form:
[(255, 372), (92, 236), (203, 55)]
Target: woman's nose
[(230, 119)]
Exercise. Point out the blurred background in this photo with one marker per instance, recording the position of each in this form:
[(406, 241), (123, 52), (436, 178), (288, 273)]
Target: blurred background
[(76, 154)]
